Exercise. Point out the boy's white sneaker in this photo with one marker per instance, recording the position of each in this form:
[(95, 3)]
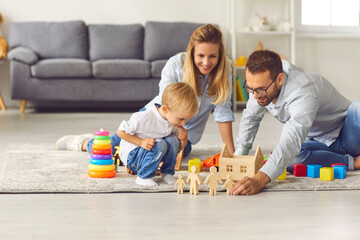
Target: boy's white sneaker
[(72, 142), (169, 179), (146, 182)]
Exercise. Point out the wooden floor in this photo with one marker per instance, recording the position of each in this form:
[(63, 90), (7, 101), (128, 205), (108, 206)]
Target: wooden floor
[(267, 215)]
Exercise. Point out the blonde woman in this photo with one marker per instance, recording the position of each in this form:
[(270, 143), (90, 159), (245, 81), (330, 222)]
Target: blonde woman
[(206, 68)]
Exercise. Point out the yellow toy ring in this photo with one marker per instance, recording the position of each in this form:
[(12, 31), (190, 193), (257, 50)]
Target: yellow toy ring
[(101, 168), (109, 174), (99, 147), (102, 142)]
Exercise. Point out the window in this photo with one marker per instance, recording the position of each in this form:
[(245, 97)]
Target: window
[(242, 169), (328, 16), (330, 12), (229, 168)]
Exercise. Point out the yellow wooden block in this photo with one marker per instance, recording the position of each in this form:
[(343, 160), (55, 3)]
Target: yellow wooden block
[(282, 176), (195, 162), (326, 174)]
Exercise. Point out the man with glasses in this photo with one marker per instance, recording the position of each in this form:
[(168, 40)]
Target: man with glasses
[(320, 125)]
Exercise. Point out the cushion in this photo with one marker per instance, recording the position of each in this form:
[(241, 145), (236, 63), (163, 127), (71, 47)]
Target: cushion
[(61, 68), (24, 55), (116, 41), (165, 39), (157, 67), (121, 68), (51, 39)]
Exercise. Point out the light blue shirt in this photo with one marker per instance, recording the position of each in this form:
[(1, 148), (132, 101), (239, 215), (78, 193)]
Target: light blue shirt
[(310, 108), (172, 73)]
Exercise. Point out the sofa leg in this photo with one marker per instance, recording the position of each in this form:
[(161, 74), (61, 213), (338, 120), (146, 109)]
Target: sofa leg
[(22, 106), (2, 104)]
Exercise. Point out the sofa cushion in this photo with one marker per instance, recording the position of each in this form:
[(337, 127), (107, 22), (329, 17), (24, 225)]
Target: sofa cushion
[(121, 68), (165, 39), (116, 41), (51, 39), (24, 55), (61, 68), (157, 67)]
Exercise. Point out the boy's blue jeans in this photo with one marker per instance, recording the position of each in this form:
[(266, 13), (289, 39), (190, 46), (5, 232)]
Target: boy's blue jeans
[(145, 163), (343, 150)]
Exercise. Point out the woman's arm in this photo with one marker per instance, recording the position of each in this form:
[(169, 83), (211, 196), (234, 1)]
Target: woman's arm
[(227, 136)]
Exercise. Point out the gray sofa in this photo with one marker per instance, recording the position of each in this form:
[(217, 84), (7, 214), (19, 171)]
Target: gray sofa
[(74, 64)]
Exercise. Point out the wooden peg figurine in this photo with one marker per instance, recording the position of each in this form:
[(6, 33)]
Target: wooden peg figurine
[(180, 183), (194, 180), (229, 185), (212, 181)]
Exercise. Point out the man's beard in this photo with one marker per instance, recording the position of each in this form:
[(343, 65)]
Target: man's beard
[(267, 99)]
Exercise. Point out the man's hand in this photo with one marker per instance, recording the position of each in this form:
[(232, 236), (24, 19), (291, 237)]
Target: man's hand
[(183, 137), (148, 143), (249, 186)]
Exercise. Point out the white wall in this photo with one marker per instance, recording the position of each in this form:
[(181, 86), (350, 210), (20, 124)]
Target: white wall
[(336, 59)]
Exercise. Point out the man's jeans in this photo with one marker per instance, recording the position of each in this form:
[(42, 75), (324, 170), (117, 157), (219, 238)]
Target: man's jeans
[(343, 150)]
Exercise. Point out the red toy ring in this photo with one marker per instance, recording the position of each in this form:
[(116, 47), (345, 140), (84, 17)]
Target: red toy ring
[(101, 151)]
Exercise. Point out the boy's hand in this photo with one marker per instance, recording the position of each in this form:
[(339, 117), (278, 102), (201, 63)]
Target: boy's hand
[(147, 143), (183, 137)]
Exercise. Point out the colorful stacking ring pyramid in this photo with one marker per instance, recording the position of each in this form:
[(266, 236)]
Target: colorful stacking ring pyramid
[(101, 163)]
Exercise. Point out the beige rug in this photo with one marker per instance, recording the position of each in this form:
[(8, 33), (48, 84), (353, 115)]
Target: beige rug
[(39, 168)]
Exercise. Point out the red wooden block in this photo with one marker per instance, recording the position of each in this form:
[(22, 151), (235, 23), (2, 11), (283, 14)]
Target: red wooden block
[(334, 164), (300, 170)]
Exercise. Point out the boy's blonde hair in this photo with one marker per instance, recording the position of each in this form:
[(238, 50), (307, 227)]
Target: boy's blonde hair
[(219, 87), (180, 96)]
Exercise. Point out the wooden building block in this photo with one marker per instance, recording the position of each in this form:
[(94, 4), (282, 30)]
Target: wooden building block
[(195, 162), (282, 176), (313, 170), (339, 171), (300, 170), (338, 164), (326, 174)]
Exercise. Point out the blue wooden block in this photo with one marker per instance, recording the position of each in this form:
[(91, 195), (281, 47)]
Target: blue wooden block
[(339, 171), (313, 170)]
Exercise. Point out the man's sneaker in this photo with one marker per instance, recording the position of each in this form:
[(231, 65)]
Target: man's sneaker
[(72, 142)]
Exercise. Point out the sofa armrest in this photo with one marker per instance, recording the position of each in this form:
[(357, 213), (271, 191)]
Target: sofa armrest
[(24, 55)]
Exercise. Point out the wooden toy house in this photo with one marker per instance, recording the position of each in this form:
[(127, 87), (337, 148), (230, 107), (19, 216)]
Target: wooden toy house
[(239, 166)]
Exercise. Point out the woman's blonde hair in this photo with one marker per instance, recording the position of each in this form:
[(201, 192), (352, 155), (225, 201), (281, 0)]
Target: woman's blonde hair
[(180, 96), (220, 85)]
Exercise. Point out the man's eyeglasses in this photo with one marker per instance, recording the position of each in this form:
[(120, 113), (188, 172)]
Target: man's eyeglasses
[(260, 91)]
